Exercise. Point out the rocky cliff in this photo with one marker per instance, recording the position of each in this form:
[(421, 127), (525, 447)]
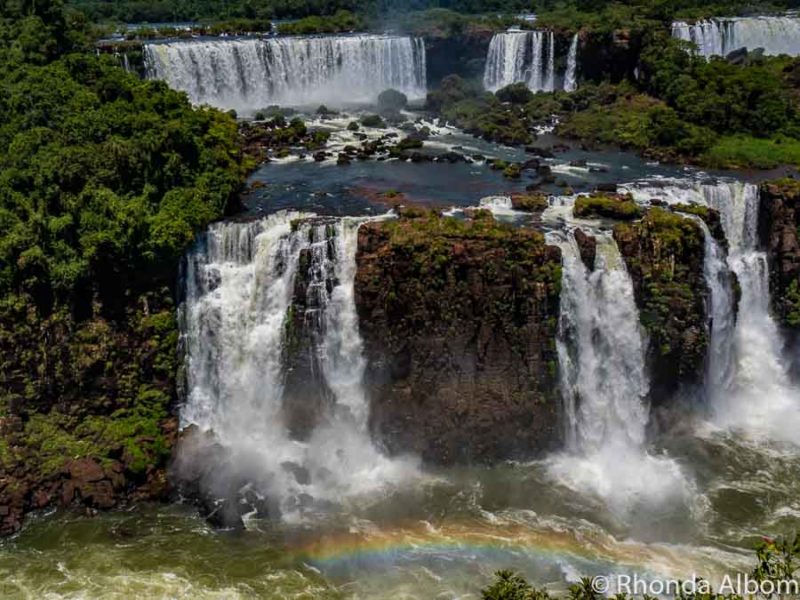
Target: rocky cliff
[(664, 254), (459, 322), (779, 224), (85, 407)]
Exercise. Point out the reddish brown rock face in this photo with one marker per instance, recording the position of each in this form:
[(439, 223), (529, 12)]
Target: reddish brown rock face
[(459, 324), (779, 224)]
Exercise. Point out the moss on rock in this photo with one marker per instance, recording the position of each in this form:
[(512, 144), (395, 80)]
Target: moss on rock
[(664, 253), (459, 320), (608, 206), (779, 223)]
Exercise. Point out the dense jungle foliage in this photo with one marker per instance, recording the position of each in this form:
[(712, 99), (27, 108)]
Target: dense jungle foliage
[(105, 180), (570, 14)]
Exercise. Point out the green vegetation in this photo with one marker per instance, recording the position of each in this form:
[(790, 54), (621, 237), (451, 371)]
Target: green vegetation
[(161, 11), (342, 21), (105, 181), (776, 561), (622, 208), (681, 109), (532, 202), (740, 151), (373, 121), (664, 254)]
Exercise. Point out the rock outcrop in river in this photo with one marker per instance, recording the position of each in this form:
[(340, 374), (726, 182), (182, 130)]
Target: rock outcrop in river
[(664, 254), (459, 323)]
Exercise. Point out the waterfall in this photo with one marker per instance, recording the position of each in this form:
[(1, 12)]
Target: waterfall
[(571, 76), (550, 79), (604, 385), (524, 57), (721, 314), (750, 388), (720, 37), (251, 73), (760, 398), (240, 283)]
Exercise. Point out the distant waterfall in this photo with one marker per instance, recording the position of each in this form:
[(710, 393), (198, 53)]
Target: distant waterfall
[(525, 57), (240, 283), (750, 387), (604, 384), (249, 74), (720, 37), (571, 76)]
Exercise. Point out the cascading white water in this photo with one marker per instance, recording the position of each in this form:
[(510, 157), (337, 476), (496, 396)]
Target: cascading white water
[(760, 398), (525, 57), (721, 313), (751, 389), (249, 73), (720, 37), (571, 76), (240, 283), (604, 385), (550, 76)]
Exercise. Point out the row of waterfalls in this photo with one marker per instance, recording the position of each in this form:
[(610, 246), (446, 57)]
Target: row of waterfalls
[(247, 74), (529, 57), (242, 278), (720, 37)]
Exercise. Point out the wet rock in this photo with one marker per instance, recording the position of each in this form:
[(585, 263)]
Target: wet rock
[(320, 156), (301, 474), (532, 164), (452, 158), (610, 188), (540, 152), (587, 245), (529, 202), (222, 514), (343, 160), (84, 470), (418, 157), (779, 230)]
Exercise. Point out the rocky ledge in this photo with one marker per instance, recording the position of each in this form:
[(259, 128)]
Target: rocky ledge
[(459, 321), (780, 234), (664, 254)]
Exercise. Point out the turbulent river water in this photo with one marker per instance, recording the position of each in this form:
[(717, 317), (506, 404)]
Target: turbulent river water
[(617, 499)]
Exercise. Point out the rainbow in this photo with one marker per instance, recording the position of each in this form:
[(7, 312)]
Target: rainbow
[(505, 546)]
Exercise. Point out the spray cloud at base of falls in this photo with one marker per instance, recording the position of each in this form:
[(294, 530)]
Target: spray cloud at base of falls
[(604, 385), (749, 388), (720, 37), (528, 57), (241, 282), (248, 74)]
